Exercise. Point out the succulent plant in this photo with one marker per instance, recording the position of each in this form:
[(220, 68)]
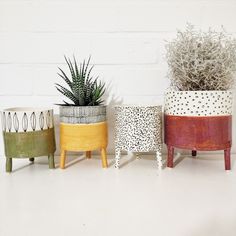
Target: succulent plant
[(82, 89), (201, 60)]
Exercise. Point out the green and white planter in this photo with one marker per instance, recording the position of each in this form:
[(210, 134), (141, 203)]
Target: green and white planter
[(82, 114), (28, 133)]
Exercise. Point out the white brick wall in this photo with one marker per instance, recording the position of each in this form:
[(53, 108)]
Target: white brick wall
[(124, 37)]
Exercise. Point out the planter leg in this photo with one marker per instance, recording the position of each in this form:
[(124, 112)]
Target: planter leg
[(104, 157), (117, 158), (170, 158), (159, 157), (31, 159), (9, 164), (227, 159), (62, 159), (194, 153), (51, 162), (88, 154)]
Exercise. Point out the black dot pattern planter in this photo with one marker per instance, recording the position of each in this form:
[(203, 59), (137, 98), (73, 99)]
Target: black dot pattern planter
[(138, 129)]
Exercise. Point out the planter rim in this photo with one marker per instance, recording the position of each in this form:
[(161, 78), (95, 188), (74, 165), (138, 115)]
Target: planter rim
[(201, 91), (137, 105), (27, 109), (80, 106)]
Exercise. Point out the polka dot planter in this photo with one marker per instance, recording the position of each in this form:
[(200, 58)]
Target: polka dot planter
[(198, 120), (198, 103), (28, 133), (138, 129)]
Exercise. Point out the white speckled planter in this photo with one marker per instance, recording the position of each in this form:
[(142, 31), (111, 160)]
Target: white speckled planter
[(198, 103), (82, 114), (138, 129)]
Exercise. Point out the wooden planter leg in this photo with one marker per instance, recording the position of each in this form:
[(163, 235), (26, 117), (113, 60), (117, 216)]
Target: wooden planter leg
[(117, 158), (194, 153), (227, 159), (8, 164), (104, 157), (62, 159), (170, 158), (31, 159), (88, 154), (51, 162)]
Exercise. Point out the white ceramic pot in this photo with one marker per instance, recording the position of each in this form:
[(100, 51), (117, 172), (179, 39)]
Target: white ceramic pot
[(198, 103), (25, 119)]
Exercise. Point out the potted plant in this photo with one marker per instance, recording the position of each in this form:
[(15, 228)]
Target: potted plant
[(198, 105), (83, 120)]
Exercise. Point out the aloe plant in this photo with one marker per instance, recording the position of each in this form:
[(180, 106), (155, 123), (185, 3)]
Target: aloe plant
[(83, 89)]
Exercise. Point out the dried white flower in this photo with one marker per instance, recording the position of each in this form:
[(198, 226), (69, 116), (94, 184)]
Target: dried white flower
[(201, 60)]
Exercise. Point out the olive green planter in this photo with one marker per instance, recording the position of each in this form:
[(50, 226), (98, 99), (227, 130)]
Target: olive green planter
[(28, 133)]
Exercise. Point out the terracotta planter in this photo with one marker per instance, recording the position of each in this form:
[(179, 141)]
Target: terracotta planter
[(138, 129), (198, 120), (82, 114), (28, 133)]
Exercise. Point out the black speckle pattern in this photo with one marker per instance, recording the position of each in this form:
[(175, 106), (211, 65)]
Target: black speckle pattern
[(138, 129), (198, 103)]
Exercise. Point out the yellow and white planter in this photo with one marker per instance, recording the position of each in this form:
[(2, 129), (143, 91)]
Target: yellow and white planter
[(81, 136)]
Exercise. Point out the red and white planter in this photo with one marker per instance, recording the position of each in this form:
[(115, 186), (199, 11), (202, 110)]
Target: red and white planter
[(199, 121)]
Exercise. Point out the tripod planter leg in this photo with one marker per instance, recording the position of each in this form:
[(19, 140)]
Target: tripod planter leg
[(51, 162), (8, 164), (62, 159), (31, 159), (227, 159), (104, 157), (159, 160), (170, 158), (194, 153), (117, 159), (88, 154)]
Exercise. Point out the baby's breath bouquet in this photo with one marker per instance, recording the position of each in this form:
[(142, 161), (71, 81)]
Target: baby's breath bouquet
[(201, 60)]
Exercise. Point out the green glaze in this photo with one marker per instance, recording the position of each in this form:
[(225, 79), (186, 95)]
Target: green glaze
[(51, 161), (29, 144), (8, 164)]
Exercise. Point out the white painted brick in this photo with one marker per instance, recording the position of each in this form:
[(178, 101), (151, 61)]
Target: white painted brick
[(16, 79), (142, 81), (42, 48), (99, 17), (17, 16), (217, 15), (51, 48)]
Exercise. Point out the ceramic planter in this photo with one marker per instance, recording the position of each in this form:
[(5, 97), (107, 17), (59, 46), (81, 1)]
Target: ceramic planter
[(138, 129), (82, 114), (28, 133), (83, 128), (83, 137), (198, 120)]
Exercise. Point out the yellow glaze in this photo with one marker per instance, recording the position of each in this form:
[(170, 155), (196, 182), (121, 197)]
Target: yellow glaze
[(83, 137)]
